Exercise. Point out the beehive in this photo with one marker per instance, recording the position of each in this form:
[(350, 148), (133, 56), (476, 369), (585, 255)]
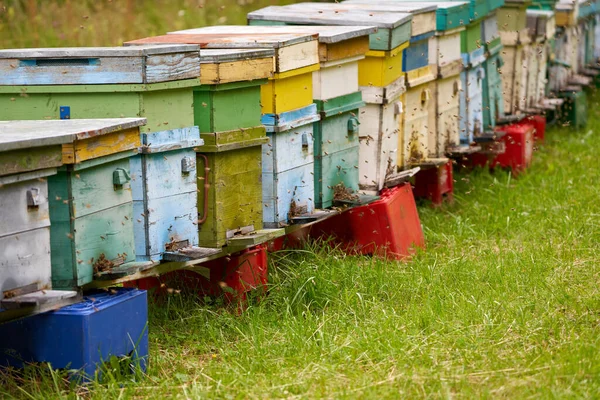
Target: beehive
[(541, 25), (227, 110), (156, 81), (381, 81), (89, 199), (27, 158), (296, 58), (338, 99)]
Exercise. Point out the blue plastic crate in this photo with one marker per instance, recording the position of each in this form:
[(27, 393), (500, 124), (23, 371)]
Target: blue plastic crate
[(83, 335)]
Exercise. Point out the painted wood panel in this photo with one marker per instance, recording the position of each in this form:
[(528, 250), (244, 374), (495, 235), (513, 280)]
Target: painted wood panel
[(85, 66), (237, 71), (419, 102), (289, 149), (448, 112), (448, 49), (336, 150), (292, 51), (22, 264), (335, 80), (493, 98), (164, 109), (514, 78), (19, 214), (287, 194), (24, 160), (393, 28), (381, 68), (379, 155), (89, 149), (160, 227), (90, 216), (234, 193), (275, 95), (227, 107)]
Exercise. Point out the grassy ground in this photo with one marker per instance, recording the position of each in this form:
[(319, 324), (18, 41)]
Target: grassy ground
[(505, 302), (59, 23)]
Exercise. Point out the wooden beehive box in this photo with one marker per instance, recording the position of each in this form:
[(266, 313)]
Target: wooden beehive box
[(227, 110), (296, 57), (493, 98), (288, 166), (567, 12), (381, 81), (151, 81), (514, 77), (472, 47), (336, 93), (27, 158), (471, 118), (165, 174), (89, 199)]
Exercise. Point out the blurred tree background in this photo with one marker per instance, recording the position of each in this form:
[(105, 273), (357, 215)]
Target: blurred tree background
[(57, 23)]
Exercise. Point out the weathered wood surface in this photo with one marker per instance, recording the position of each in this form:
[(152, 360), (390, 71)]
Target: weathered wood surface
[(393, 28), (514, 78), (27, 134), (275, 95), (336, 80), (216, 56), (167, 105), (381, 68), (24, 160), (327, 34), (448, 112), (235, 188), (90, 216), (238, 71), (414, 138), (292, 50), (384, 95), (25, 232), (111, 65)]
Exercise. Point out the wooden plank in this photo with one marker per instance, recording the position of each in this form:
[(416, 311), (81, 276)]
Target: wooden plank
[(275, 98), (253, 239), (381, 68), (335, 81), (39, 299), (216, 56), (99, 146), (116, 65), (26, 134), (237, 71), (23, 160), (18, 216)]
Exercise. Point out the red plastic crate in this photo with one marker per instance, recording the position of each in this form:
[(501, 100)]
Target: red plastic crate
[(518, 142), (435, 183), (539, 124), (389, 227)]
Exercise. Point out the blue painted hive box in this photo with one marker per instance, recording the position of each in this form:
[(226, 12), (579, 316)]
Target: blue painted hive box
[(288, 166), (81, 336), (162, 176)]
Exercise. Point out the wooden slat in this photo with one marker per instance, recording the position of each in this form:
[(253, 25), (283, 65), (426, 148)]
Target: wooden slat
[(26, 134)]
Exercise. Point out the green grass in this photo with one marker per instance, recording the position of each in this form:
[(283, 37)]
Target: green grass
[(504, 302)]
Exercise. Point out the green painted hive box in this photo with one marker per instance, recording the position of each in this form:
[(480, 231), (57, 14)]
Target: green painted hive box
[(228, 112), (89, 199), (151, 81), (575, 109), (493, 101)]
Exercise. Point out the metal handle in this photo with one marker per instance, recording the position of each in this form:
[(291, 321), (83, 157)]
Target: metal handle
[(304, 141), (188, 164), (120, 177), (34, 199), (353, 124)]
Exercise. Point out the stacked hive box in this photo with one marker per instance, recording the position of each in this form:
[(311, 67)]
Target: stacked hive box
[(288, 159), (542, 29), (227, 111), (338, 98), (586, 20), (381, 81), (89, 198), (563, 72), (420, 66), (152, 81), (512, 23), (30, 152)]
